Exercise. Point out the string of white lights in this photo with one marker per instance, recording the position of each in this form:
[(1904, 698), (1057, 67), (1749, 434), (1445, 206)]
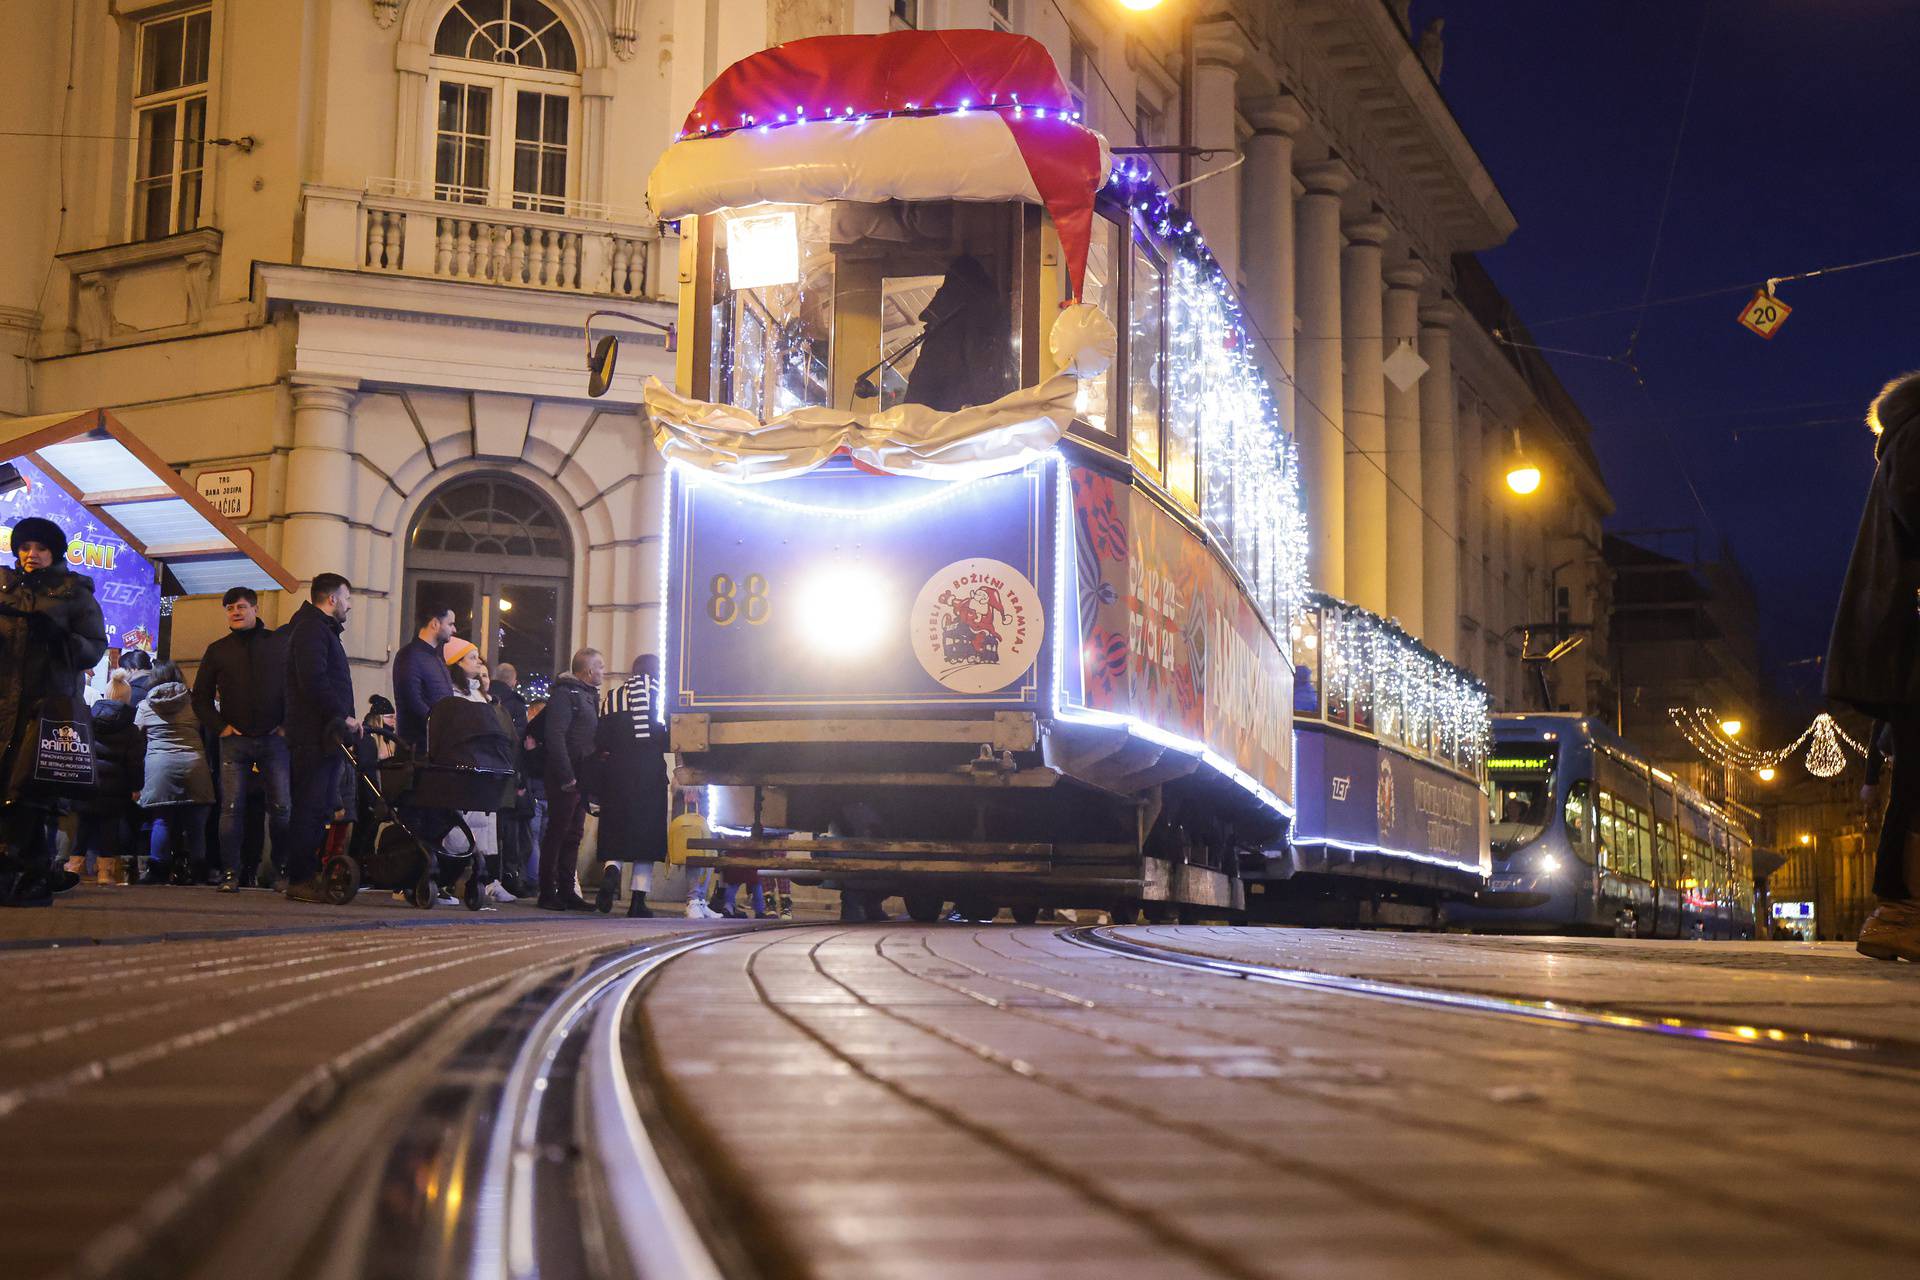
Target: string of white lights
[(1823, 739)]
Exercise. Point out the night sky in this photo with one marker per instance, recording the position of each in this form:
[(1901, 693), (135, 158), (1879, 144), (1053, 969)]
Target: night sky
[(1801, 150)]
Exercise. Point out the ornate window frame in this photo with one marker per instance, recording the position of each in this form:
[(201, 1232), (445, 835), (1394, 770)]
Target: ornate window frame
[(420, 71)]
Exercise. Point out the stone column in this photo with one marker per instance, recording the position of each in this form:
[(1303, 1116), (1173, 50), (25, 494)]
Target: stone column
[(1473, 583), (1218, 50), (1361, 324), (1440, 483), (317, 537), (1266, 238), (1319, 402), (1406, 501)]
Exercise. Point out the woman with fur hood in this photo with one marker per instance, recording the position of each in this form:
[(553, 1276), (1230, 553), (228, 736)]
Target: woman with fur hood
[(178, 791), (51, 634)]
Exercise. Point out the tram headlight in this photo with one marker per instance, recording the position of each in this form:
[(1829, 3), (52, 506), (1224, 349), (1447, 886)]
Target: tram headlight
[(844, 612), (1548, 864)]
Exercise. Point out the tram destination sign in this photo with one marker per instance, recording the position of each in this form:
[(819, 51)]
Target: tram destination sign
[(1520, 764)]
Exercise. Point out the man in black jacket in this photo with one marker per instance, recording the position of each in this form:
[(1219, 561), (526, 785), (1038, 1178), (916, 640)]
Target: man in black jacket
[(568, 725), (240, 694), (516, 821), (419, 676), (319, 693)]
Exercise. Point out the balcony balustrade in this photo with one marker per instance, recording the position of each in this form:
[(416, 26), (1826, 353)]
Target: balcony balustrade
[(571, 248)]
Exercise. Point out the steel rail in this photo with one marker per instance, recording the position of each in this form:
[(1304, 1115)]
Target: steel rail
[(654, 1230), (1858, 1051)]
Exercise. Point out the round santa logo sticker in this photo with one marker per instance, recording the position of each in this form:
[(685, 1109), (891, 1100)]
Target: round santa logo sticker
[(977, 625)]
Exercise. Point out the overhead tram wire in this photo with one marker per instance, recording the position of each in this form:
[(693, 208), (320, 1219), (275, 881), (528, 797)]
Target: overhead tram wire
[(1728, 290)]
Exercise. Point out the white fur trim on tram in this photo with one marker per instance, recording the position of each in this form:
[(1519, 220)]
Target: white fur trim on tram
[(959, 156), (906, 440)]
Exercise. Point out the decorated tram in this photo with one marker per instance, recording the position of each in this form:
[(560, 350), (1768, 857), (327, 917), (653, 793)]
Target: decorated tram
[(983, 545)]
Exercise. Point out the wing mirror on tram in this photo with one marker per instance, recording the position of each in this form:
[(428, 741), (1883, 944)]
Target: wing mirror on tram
[(603, 355)]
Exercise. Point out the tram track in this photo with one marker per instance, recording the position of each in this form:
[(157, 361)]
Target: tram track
[(518, 1138), (1878, 1054)]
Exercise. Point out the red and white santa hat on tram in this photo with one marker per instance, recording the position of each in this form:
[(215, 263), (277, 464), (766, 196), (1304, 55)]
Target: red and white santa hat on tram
[(909, 115)]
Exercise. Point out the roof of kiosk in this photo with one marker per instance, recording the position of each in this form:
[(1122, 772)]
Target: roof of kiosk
[(129, 488)]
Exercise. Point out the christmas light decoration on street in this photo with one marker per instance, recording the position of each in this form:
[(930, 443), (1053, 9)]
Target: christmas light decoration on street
[(1825, 741)]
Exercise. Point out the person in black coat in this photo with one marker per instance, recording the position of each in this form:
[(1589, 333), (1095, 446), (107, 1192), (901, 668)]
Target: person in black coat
[(51, 634), (516, 819), (632, 746), (567, 730), (319, 719), (1873, 659), (240, 696), (420, 677)]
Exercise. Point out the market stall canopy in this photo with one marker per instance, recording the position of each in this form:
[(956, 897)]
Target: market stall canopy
[(110, 471)]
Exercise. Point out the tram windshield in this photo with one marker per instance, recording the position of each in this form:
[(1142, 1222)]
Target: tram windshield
[(866, 306), (1522, 795)]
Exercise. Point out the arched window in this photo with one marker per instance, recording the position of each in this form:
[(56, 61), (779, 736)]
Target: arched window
[(506, 92), (495, 552)]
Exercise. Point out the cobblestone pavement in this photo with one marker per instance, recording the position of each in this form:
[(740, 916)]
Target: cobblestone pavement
[(1825, 986), (998, 1102), (128, 1071)]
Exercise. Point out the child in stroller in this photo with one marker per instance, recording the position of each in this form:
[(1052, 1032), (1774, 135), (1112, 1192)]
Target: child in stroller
[(434, 817)]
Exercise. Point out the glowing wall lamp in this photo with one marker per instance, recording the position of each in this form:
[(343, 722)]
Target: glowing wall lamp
[(1523, 474), (1765, 773)]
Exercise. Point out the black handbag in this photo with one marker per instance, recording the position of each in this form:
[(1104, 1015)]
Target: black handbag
[(63, 760)]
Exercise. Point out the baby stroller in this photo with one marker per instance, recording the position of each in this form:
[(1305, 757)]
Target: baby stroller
[(421, 840)]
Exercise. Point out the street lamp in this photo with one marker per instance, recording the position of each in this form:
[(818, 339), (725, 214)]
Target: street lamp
[(1805, 838), (1732, 727), (1765, 773), (1523, 474)]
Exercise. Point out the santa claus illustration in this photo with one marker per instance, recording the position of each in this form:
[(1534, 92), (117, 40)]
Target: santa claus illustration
[(971, 634)]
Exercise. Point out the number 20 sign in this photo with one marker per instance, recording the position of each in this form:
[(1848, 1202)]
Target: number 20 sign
[(1764, 313)]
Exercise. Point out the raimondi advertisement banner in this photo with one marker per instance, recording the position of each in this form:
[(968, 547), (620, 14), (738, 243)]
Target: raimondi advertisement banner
[(123, 580), (843, 589), (1167, 636)]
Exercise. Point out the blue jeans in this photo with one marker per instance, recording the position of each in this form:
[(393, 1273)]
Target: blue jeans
[(316, 795), (178, 828), (238, 756)]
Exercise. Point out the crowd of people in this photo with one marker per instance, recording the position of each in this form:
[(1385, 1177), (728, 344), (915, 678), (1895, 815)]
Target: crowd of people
[(240, 778)]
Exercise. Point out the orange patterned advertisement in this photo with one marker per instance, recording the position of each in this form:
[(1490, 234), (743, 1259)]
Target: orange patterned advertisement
[(1167, 636)]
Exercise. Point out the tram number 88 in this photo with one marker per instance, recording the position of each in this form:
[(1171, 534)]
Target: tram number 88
[(729, 600)]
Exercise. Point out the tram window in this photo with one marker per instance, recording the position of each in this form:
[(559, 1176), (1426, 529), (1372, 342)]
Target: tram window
[(1578, 812), (1334, 666), (1664, 853), (771, 345), (1360, 683), (1094, 403), (1181, 414), (1306, 663), (1522, 808), (1146, 348)]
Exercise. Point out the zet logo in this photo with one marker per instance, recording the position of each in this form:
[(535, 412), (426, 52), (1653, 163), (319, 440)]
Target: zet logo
[(977, 625)]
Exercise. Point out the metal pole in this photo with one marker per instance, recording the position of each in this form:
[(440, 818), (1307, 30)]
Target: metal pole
[(1187, 21)]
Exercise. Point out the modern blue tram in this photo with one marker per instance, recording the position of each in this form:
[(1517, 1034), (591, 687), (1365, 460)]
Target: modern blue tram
[(1587, 836)]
